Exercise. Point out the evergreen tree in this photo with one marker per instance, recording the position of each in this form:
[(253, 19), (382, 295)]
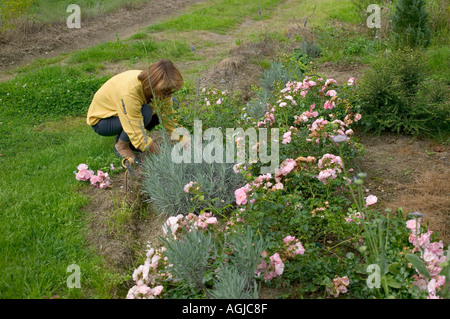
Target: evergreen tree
[(410, 24)]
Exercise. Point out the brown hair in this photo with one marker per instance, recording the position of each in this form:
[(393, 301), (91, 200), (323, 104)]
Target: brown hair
[(162, 78)]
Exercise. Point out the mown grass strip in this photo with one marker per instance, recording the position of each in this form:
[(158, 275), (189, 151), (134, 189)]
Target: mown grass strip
[(43, 228), (218, 16)]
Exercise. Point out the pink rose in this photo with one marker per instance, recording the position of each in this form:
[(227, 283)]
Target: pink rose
[(298, 249), (82, 167), (157, 290), (84, 175), (288, 239), (329, 105), (143, 289), (331, 93), (188, 186), (411, 224), (286, 137), (371, 200), (241, 196), (211, 220)]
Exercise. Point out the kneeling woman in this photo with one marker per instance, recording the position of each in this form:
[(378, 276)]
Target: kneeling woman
[(125, 107)]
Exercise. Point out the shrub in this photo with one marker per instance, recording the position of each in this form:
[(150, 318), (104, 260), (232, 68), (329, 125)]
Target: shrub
[(410, 24), (393, 96), (164, 181), (289, 68), (320, 243), (310, 48), (276, 73), (215, 108), (200, 261)]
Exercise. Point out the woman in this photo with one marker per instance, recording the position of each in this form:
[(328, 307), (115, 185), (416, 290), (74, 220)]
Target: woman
[(121, 107)]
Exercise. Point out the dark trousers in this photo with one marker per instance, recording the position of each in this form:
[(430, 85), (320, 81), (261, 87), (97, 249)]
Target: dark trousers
[(111, 126)]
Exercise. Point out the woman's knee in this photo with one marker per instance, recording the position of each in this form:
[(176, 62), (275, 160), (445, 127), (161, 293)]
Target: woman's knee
[(108, 127)]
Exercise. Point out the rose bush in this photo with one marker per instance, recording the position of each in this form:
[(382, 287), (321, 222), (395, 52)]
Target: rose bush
[(321, 234)]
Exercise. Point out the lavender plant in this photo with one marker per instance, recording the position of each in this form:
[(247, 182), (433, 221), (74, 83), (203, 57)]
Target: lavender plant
[(233, 285), (196, 255), (190, 256), (164, 181)]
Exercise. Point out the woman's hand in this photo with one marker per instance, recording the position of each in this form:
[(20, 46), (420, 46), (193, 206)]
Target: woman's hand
[(187, 146), (154, 148)]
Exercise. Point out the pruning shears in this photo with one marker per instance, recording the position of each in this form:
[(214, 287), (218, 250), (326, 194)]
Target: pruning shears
[(128, 162)]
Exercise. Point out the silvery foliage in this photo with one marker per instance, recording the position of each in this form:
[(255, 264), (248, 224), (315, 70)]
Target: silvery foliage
[(192, 252), (164, 182), (257, 107), (190, 255)]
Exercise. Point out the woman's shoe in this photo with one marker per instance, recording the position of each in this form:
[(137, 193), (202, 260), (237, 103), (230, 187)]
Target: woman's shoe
[(122, 150)]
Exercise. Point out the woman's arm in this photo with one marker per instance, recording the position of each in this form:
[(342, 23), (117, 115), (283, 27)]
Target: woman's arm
[(130, 115)]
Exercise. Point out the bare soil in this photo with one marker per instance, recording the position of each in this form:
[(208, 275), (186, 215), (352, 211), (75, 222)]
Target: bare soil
[(411, 173), (37, 40)]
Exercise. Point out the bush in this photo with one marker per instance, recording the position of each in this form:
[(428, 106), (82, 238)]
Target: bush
[(164, 182), (198, 261), (215, 108), (410, 24), (289, 68), (320, 243), (393, 96), (309, 48)]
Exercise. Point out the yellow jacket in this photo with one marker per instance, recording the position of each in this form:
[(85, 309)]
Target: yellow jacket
[(123, 96)]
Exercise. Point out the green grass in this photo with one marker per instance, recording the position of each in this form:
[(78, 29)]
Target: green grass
[(49, 92), (319, 13), (439, 62), (43, 227), (344, 11), (218, 16), (131, 51)]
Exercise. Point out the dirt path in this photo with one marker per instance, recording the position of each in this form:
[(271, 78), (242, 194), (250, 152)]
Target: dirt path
[(411, 173), (18, 49)]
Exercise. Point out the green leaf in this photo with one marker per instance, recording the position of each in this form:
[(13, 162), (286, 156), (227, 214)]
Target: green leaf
[(394, 268), (418, 264), (392, 283)]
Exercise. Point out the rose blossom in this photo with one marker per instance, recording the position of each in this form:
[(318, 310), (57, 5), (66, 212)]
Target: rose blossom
[(286, 137), (371, 200)]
